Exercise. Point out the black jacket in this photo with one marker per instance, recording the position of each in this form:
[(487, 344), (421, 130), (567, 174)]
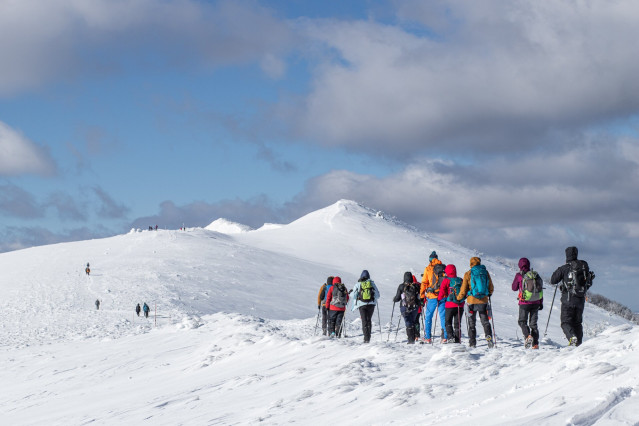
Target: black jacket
[(561, 274), (408, 279)]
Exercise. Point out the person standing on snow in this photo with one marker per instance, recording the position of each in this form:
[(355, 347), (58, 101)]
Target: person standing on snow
[(146, 310), (137, 309), (336, 301), (449, 292), (478, 286), (321, 302), (408, 295), (529, 305), (419, 314), (576, 278), (97, 304), (365, 296), (429, 292)]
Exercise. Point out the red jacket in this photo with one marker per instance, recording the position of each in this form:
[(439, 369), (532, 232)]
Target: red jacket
[(444, 289), (329, 296)]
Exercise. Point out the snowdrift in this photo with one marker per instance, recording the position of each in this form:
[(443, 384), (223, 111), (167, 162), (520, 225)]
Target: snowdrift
[(231, 337)]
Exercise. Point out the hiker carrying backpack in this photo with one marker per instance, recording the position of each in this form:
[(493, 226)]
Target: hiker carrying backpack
[(529, 286), (478, 286), (365, 298), (321, 302), (336, 301), (408, 296), (454, 308), (575, 278), (435, 305)]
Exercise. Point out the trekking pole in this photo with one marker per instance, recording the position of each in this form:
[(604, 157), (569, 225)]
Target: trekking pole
[(381, 337), (435, 326), (397, 331), (317, 322), (490, 303), (390, 325), (553, 302)]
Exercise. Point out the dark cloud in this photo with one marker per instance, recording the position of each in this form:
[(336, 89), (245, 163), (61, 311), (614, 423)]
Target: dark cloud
[(254, 212), (16, 238), (18, 203), (107, 207), (67, 207)]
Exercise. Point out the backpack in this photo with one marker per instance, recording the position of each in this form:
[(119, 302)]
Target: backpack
[(366, 292), (436, 278), (579, 278), (455, 288), (339, 296), (531, 287), (479, 282), (327, 287), (409, 296)]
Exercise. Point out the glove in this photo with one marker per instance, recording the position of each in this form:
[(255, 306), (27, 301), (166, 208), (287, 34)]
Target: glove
[(319, 307), (541, 306)]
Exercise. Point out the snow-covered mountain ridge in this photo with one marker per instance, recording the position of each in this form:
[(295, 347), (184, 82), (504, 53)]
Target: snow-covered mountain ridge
[(234, 341)]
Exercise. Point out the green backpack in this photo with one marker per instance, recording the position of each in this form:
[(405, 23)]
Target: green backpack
[(532, 287), (366, 292)]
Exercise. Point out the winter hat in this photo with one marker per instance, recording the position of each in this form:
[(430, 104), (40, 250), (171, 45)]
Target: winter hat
[(432, 256), (571, 254), (329, 280), (451, 271), (408, 277), (364, 276), (524, 265), (337, 280)]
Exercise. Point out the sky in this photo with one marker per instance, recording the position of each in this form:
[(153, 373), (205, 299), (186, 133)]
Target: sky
[(509, 127)]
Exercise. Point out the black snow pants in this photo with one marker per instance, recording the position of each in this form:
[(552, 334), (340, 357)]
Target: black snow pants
[(572, 315), (528, 315), (453, 323), (482, 310), (366, 314)]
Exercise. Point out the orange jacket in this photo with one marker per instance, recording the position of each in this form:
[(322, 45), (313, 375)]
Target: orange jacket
[(428, 274), (465, 287)]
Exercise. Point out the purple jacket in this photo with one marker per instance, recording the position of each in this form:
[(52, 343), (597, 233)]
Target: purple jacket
[(524, 266)]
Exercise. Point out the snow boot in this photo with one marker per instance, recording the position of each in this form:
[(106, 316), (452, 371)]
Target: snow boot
[(489, 340), (528, 342), (572, 341), (410, 333)]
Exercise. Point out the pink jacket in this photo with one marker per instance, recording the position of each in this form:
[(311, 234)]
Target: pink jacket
[(444, 290)]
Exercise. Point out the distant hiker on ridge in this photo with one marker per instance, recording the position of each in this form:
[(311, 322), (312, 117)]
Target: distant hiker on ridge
[(576, 278), (531, 300), (97, 304), (146, 310), (138, 309), (321, 302), (365, 296)]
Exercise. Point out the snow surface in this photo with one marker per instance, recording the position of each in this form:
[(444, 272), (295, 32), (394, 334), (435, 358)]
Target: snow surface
[(231, 336), (225, 226)]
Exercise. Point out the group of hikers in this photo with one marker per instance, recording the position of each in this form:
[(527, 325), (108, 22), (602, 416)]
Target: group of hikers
[(442, 293), (144, 309)]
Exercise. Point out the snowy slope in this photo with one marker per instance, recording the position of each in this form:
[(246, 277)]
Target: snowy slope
[(234, 341)]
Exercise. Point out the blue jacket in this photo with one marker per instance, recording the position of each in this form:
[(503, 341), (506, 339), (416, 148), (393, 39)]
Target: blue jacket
[(358, 303)]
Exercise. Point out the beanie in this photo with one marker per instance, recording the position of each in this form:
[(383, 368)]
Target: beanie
[(432, 256)]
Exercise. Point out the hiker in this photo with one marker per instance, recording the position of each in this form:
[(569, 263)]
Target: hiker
[(336, 301), (419, 314), (531, 300), (478, 287), (138, 309), (429, 291), (87, 270), (408, 295), (365, 296), (97, 304), (450, 292), (321, 301), (576, 278), (146, 310)]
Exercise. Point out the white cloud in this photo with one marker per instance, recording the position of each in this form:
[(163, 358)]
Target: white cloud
[(42, 42), (487, 76), (19, 155)]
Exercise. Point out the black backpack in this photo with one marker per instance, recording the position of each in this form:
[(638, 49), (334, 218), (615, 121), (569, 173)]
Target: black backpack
[(410, 296), (579, 278), (339, 299)]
